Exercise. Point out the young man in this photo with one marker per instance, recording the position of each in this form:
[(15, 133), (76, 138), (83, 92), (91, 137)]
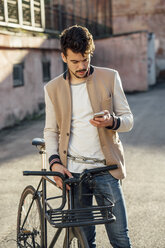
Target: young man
[(71, 131)]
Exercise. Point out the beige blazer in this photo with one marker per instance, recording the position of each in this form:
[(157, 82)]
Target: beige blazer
[(100, 86)]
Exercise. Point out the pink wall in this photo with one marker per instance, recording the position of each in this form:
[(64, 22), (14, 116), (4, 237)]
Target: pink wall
[(128, 55), (18, 102)]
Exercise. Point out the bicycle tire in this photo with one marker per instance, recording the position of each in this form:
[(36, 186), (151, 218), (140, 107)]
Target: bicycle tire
[(77, 238), (31, 235)]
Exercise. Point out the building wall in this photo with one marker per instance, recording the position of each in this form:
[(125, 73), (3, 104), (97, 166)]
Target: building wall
[(127, 16), (94, 10), (128, 55), (132, 15), (18, 102)]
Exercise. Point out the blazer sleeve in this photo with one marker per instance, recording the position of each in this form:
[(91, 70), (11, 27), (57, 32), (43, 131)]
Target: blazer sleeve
[(51, 132), (121, 108)]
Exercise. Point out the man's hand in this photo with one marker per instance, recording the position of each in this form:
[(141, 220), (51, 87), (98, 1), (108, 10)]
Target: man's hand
[(105, 121), (61, 169)]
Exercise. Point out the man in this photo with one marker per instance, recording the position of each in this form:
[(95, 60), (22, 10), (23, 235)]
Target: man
[(76, 140)]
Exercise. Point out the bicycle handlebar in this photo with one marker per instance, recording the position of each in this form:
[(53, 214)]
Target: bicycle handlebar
[(84, 174), (43, 173)]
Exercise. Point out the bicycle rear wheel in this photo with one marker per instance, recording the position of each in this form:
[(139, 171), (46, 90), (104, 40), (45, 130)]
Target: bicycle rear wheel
[(29, 220), (77, 238)]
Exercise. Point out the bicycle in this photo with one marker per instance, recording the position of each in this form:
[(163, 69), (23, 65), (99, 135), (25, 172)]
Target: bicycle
[(35, 209)]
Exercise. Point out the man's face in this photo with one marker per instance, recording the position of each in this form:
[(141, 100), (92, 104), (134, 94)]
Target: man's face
[(78, 64)]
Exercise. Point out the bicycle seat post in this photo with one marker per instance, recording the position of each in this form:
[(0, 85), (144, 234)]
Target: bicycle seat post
[(43, 157)]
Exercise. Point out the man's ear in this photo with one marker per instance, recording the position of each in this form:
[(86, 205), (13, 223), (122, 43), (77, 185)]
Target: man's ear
[(63, 58)]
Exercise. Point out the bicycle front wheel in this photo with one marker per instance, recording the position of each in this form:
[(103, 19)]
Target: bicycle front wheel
[(29, 220), (77, 238)]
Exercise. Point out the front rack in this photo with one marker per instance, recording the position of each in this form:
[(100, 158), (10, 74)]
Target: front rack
[(80, 217)]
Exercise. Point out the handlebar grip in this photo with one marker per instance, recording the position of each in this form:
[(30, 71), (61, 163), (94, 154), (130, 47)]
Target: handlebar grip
[(101, 169), (98, 170)]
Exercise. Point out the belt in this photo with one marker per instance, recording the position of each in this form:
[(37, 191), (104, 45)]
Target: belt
[(86, 160)]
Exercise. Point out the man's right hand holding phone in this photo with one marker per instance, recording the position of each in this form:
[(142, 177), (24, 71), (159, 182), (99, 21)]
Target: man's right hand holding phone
[(102, 119)]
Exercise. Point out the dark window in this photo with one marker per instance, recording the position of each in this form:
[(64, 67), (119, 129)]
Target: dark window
[(46, 71), (18, 77)]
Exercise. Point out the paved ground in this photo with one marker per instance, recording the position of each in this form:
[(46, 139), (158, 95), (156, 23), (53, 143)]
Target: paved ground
[(144, 187)]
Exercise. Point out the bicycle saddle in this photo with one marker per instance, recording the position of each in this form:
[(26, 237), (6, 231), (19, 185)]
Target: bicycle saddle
[(38, 142)]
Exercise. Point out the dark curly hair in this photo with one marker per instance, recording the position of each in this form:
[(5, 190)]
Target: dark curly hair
[(78, 39)]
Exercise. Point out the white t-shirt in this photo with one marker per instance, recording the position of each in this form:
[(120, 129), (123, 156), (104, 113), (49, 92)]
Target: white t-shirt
[(84, 139)]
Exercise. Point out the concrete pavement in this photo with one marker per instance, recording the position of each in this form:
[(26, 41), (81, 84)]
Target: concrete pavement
[(144, 187)]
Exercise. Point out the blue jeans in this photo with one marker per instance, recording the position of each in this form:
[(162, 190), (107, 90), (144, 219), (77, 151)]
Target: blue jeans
[(105, 184)]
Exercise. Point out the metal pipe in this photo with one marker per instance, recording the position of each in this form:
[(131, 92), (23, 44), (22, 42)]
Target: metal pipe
[(42, 8), (20, 16), (32, 13), (43, 153), (110, 16), (6, 11)]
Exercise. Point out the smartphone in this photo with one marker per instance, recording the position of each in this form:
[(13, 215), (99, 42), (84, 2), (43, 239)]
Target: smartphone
[(99, 115)]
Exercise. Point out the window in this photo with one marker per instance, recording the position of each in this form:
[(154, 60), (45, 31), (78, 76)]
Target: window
[(46, 71), (18, 76)]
